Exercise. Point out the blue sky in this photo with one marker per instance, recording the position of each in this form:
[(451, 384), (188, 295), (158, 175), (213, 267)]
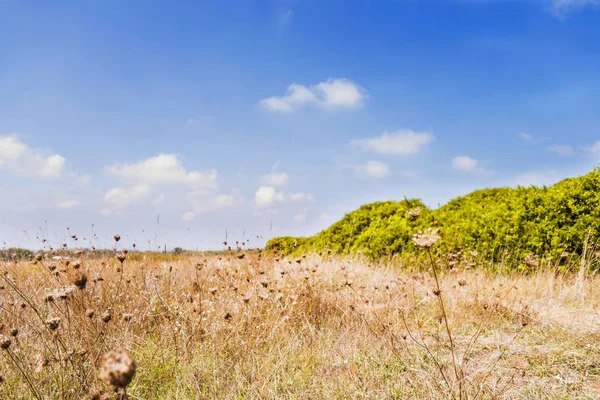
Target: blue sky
[(276, 117)]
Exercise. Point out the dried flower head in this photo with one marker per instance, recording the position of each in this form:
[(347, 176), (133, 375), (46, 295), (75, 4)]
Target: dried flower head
[(89, 313), (53, 323), (117, 369), (106, 317), (80, 280), (14, 332), (121, 257), (532, 261), (414, 213), (117, 238), (5, 342), (427, 238)]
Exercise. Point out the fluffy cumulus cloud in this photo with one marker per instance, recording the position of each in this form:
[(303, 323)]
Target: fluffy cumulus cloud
[(21, 160), (331, 94), (142, 177), (401, 142), (276, 179), (116, 199), (266, 196), (164, 169), (374, 169), (465, 163)]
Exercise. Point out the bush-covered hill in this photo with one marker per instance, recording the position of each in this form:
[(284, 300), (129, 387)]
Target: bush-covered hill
[(547, 220)]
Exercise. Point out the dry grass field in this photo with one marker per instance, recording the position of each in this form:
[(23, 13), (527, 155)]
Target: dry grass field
[(246, 325)]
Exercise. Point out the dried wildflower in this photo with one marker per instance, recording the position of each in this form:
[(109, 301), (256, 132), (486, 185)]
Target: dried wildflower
[(89, 313), (414, 213), (80, 280), (106, 317), (117, 238), (427, 238), (5, 342), (127, 317), (121, 257), (462, 281), (76, 265), (53, 323), (117, 369), (532, 261), (14, 332)]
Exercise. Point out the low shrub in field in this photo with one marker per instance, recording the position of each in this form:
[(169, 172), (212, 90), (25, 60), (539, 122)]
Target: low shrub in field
[(528, 220)]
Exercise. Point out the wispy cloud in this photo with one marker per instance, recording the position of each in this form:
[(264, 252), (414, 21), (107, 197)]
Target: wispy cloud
[(561, 150), (400, 142), (560, 8)]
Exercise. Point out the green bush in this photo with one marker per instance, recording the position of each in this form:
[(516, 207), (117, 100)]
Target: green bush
[(531, 220)]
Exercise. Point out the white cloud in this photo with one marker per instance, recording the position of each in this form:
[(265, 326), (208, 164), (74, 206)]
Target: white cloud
[(526, 137), (21, 160), (202, 202), (400, 142), (561, 150), (560, 8), (144, 176), (67, 204), (374, 169), (331, 94), (594, 148), (276, 179), (267, 195), (164, 169), (302, 197), (466, 163), (301, 217), (117, 199)]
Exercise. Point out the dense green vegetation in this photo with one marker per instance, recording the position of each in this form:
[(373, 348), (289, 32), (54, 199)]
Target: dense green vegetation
[(532, 220)]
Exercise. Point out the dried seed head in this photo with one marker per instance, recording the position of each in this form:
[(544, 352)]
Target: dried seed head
[(106, 317), (80, 280), (14, 332), (462, 281), (53, 323), (121, 257), (427, 238), (127, 317), (117, 238), (117, 369), (5, 342), (76, 265), (414, 213), (532, 261), (89, 313)]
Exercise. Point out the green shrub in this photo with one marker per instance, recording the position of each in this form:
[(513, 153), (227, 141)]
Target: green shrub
[(524, 220)]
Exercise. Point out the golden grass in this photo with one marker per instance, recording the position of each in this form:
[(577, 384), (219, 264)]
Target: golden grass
[(232, 327)]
